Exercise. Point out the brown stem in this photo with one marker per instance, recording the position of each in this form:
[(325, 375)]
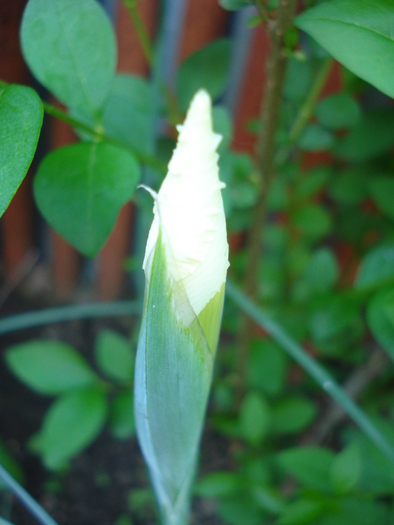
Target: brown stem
[(265, 149)]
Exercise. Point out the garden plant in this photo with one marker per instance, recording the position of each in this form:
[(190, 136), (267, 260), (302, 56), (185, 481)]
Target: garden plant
[(300, 386)]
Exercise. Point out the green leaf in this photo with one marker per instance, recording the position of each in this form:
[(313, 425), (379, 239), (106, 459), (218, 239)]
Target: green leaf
[(346, 469), (114, 356), (309, 465), (70, 425), (207, 68), (20, 124), (354, 510), (121, 416), (313, 221), (302, 511), (49, 367), (315, 138), (70, 48), (234, 5), (266, 367), (292, 414), (298, 78), (312, 182), (239, 510), (338, 111), (373, 136), (376, 267), (218, 485), (322, 271), (222, 124), (80, 189), (358, 33), (254, 418), (382, 193), (380, 318), (127, 114), (349, 187), (10, 465)]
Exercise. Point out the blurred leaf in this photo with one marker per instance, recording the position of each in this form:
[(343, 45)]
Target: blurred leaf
[(309, 465), (268, 499), (297, 81), (10, 465), (349, 186), (254, 418), (217, 485), (338, 111), (311, 182), (277, 198), (358, 34), (373, 136), (222, 124), (354, 510), (121, 416), (80, 189), (376, 267), (71, 424), (207, 68), (333, 317), (313, 221), (380, 318), (115, 356), (234, 5), (292, 414), (266, 367), (20, 124), (49, 367), (382, 193), (239, 510), (302, 511), (346, 469), (70, 48), (315, 138), (322, 270)]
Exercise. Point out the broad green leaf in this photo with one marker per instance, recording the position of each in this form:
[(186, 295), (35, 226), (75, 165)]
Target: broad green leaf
[(373, 136), (292, 414), (382, 193), (322, 271), (346, 469), (311, 182), (254, 418), (333, 318), (269, 499), (302, 511), (127, 114), (349, 186), (266, 367), (70, 48), (313, 221), (309, 465), (121, 416), (240, 510), (207, 68), (380, 317), (338, 111), (234, 5), (115, 356), (20, 124), (298, 78), (71, 424), (80, 189), (49, 367), (354, 510), (222, 124), (218, 485), (376, 267), (315, 138), (359, 34)]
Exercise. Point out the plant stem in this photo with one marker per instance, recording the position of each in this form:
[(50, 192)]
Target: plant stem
[(15, 323), (314, 369), (305, 111), (24, 497), (269, 117), (142, 33)]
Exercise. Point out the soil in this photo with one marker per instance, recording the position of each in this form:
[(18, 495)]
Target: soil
[(108, 483)]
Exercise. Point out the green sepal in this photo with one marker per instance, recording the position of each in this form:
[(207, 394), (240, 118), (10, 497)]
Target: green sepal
[(172, 381)]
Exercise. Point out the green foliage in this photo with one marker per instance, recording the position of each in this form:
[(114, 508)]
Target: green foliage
[(234, 5), (94, 180), (358, 35), (207, 68), (114, 356), (61, 46), (21, 119)]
